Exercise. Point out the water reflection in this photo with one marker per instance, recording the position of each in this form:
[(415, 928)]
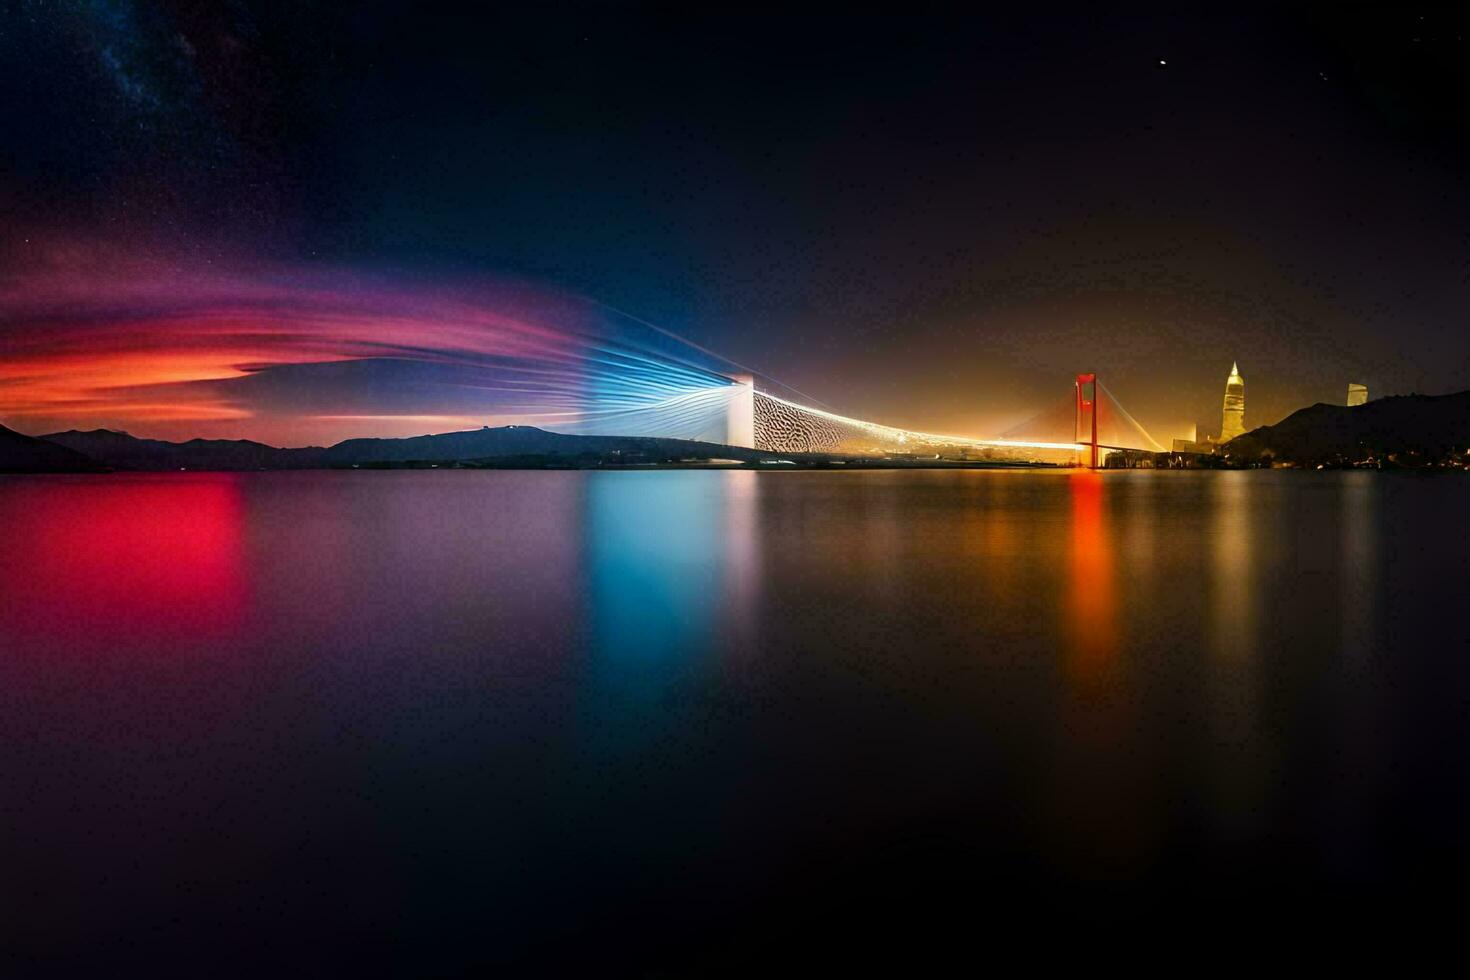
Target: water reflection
[(655, 554), (1358, 569), (522, 712), (1357, 711), (126, 558), (1235, 581), (655, 548), (741, 546), (1232, 579), (1092, 602), (1102, 813)]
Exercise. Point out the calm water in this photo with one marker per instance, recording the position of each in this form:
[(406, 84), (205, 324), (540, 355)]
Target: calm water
[(434, 721)]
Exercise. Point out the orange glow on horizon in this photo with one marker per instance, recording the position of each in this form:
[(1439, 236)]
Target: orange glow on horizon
[(123, 372), (145, 347)]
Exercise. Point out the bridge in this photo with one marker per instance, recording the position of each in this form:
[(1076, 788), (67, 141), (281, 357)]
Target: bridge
[(733, 410), (1097, 421), (633, 378)]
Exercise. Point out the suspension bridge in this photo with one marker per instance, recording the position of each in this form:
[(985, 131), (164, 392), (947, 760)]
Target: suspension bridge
[(733, 410), (631, 377), (1088, 420)]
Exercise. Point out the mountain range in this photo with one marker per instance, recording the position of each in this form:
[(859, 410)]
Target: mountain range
[(24, 454), (522, 440), (105, 448), (122, 451)]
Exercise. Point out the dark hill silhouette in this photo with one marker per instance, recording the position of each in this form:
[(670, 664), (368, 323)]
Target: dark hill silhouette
[(123, 451), (128, 452), (519, 440), (1431, 426), (23, 454)]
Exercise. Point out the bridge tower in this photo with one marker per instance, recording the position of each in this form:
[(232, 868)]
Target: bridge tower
[(740, 418), (1086, 420)]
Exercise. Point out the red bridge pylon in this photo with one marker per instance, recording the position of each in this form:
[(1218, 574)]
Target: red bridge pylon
[(1087, 406)]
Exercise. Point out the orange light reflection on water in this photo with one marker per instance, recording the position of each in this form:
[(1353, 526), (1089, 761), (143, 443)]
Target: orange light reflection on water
[(1092, 597)]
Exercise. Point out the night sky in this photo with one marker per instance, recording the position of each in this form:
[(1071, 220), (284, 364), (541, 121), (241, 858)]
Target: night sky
[(930, 221)]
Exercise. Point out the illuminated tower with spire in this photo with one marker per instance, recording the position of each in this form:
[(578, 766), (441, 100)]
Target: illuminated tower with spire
[(1234, 423)]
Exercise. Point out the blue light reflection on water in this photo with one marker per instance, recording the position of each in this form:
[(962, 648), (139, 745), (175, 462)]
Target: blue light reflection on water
[(654, 548)]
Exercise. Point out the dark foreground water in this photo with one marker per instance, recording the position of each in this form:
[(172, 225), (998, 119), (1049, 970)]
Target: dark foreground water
[(679, 722)]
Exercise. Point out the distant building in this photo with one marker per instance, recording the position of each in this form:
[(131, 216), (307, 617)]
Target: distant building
[(1200, 447), (1234, 422), (1194, 444), (1357, 394)]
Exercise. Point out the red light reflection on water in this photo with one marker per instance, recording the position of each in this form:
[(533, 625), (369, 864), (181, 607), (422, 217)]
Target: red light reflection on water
[(1104, 808), (1091, 590), (121, 556)]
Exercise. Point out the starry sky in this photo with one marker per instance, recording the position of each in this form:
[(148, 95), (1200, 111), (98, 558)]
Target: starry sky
[(308, 221)]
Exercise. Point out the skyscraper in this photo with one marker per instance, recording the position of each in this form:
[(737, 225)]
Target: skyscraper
[(1234, 423), (1357, 394)]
